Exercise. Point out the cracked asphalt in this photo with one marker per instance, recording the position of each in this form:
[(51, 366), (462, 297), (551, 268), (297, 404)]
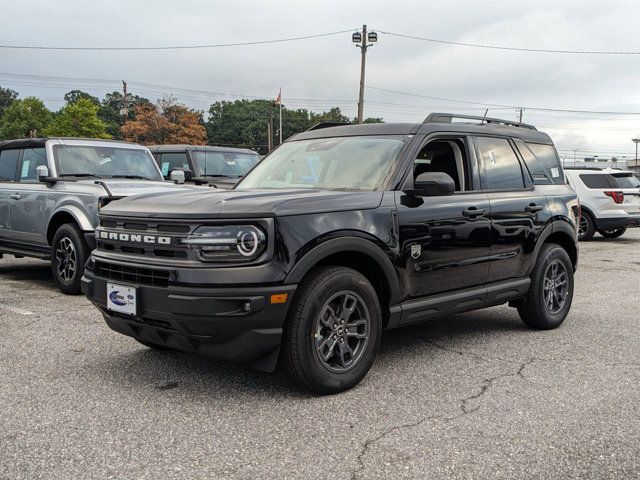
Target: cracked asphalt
[(477, 395)]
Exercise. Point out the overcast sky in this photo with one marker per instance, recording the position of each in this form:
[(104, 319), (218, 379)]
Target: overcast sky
[(323, 72)]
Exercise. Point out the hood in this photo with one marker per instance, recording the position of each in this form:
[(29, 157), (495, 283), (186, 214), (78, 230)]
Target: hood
[(213, 203), (224, 183), (117, 187)]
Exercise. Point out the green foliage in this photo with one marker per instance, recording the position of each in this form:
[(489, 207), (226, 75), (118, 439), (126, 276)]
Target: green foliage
[(74, 95), (243, 123), (78, 119), (7, 96), (24, 118)]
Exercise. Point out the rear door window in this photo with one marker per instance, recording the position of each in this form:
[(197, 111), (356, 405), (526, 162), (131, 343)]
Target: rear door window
[(8, 165), (598, 180), (542, 161), (501, 165)]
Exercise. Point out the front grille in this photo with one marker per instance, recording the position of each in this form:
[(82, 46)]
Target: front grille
[(136, 275), (175, 230)]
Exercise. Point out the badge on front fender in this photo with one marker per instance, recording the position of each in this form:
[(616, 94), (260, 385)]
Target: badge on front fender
[(416, 251)]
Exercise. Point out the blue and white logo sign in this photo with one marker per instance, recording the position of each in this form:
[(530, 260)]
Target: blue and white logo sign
[(121, 298)]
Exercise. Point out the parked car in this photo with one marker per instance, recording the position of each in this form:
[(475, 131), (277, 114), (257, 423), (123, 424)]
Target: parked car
[(219, 167), (608, 205), (50, 191), (338, 234)]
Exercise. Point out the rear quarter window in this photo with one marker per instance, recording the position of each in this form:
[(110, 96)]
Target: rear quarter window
[(598, 180), (542, 161)]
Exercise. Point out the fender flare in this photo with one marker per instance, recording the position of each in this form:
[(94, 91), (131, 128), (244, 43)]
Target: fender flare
[(345, 244), (78, 214), (557, 226)]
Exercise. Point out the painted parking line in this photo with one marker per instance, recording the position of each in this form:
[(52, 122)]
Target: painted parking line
[(19, 311)]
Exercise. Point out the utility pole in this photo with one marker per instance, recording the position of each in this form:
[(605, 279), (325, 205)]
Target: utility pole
[(521, 110), (574, 156), (270, 129), (125, 102), (363, 41)]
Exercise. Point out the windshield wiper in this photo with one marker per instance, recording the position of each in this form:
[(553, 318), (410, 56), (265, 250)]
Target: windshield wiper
[(219, 175), (133, 177), (79, 175)]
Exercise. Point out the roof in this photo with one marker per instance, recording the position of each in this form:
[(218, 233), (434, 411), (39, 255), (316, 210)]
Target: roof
[(435, 122), (198, 148), (41, 142)]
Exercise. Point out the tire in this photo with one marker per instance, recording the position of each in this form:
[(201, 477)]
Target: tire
[(154, 346), (314, 330), (68, 246), (535, 310), (587, 227), (618, 232)]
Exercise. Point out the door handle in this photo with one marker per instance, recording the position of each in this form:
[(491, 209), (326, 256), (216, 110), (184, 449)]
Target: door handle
[(472, 212), (533, 208), (16, 196)]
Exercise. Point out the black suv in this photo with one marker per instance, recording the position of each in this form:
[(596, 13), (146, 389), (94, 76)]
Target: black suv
[(339, 234), (219, 167)]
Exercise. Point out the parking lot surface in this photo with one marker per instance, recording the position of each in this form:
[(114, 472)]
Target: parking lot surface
[(477, 395)]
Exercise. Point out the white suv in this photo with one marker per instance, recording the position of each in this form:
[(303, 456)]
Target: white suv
[(610, 201)]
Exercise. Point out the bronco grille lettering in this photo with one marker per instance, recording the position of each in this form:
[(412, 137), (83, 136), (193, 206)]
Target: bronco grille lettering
[(134, 238)]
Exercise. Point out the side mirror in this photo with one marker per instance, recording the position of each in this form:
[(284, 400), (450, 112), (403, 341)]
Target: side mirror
[(42, 172), (433, 184), (177, 176)]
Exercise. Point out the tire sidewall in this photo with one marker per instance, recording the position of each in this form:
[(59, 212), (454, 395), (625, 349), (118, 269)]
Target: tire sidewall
[(81, 250), (325, 379), (555, 253), (618, 232), (591, 230)]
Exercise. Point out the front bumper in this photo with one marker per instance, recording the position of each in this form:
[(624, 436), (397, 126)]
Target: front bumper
[(237, 324), (612, 223)]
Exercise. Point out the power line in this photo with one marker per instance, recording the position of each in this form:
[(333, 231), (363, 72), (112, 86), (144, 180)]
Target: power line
[(540, 109), (514, 49), (177, 47)]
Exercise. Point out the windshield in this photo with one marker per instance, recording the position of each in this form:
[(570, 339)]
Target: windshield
[(342, 163), (104, 162), (224, 164), (628, 181)]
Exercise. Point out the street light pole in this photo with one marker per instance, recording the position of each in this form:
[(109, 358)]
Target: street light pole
[(636, 140), (363, 40)]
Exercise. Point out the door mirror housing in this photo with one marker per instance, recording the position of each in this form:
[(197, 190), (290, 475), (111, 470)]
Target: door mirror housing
[(42, 172), (433, 184), (177, 176)]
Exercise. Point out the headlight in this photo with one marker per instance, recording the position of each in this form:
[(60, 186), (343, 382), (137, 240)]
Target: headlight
[(227, 243)]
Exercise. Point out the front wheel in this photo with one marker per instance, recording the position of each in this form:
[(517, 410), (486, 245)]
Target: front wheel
[(551, 292), (69, 253), (333, 330), (615, 233)]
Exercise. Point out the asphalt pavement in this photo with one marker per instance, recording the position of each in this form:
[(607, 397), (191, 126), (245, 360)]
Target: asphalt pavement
[(477, 395)]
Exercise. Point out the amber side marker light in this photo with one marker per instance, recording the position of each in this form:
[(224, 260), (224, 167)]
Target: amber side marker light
[(279, 298)]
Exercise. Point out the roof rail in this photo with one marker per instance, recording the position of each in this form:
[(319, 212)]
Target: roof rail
[(448, 118), (320, 125), (580, 167)]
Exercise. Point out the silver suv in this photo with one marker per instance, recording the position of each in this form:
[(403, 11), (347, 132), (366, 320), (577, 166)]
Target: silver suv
[(50, 192)]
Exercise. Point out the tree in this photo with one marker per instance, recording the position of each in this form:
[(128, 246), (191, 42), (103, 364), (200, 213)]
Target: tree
[(74, 95), (111, 111), (243, 123), (78, 119), (24, 118), (165, 122), (7, 96)]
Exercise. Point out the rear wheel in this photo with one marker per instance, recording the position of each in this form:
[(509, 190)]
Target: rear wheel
[(551, 292), (587, 227), (333, 330), (615, 233), (69, 253)]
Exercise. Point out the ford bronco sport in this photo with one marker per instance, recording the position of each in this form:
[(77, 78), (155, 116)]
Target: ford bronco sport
[(50, 190), (340, 233)]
